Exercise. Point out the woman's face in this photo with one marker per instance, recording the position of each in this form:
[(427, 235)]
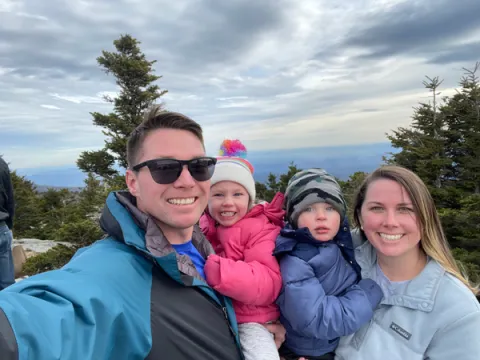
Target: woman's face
[(389, 221)]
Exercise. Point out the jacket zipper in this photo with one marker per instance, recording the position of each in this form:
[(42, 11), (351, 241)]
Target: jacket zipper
[(239, 348), (225, 312), (224, 309)]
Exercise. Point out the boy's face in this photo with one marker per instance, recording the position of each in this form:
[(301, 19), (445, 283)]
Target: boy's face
[(228, 202), (321, 219)]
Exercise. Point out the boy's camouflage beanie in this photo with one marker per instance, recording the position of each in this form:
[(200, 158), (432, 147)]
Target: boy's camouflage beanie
[(311, 186)]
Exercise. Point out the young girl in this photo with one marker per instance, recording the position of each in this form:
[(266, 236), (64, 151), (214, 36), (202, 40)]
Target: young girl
[(243, 236)]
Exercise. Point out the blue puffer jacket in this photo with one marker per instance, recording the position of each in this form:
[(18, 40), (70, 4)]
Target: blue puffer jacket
[(322, 297)]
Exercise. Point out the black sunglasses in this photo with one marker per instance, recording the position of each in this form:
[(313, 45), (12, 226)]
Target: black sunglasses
[(167, 171)]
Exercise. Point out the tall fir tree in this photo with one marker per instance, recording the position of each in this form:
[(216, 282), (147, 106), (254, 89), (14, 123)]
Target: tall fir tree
[(443, 147), (135, 77), (463, 120), (27, 212), (423, 144)]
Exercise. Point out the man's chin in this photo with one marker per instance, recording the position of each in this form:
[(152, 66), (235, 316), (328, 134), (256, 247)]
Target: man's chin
[(184, 222)]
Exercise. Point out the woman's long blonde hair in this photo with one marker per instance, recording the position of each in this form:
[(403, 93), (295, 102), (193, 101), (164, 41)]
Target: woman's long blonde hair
[(433, 240)]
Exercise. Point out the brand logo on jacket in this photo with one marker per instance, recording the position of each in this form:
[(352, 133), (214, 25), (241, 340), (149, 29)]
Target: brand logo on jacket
[(400, 331)]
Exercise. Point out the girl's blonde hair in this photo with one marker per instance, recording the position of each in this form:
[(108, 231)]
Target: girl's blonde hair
[(433, 240)]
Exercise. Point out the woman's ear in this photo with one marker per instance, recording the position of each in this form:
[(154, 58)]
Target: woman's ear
[(361, 222)]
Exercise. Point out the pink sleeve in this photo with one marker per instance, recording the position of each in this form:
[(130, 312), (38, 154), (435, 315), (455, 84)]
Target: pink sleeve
[(206, 225), (257, 279)]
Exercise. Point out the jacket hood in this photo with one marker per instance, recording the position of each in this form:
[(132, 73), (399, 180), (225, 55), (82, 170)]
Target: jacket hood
[(289, 237), (122, 220)]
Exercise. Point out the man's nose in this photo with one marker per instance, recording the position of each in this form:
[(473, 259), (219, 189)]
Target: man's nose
[(185, 179)]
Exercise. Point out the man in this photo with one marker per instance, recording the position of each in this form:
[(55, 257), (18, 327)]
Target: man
[(139, 293), (7, 209)]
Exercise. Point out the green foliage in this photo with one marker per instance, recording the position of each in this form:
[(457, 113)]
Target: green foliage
[(82, 232), (27, 212), (442, 146), (422, 144), (268, 190), (58, 215), (468, 263), (135, 78), (349, 189), (52, 259)]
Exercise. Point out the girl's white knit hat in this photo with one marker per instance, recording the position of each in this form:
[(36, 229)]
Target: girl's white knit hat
[(232, 166)]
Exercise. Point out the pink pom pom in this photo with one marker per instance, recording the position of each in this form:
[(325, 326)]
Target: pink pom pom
[(233, 148)]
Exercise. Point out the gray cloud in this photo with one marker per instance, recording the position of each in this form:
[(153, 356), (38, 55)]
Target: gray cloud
[(466, 53), (274, 73), (219, 32), (414, 26)]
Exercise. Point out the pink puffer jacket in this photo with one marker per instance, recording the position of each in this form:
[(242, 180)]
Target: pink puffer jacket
[(244, 268)]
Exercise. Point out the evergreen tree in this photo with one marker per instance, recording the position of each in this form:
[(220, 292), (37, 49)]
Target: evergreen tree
[(135, 78), (57, 207), (422, 144), (443, 147), (27, 212), (463, 119), (268, 190), (349, 189)]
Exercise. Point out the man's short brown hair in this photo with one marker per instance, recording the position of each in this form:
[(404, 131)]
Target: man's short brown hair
[(155, 119)]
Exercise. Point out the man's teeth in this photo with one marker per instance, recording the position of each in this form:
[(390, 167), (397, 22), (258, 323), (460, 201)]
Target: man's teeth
[(391, 237), (182, 201), (227, 213)]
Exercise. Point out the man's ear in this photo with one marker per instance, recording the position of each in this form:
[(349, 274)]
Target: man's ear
[(132, 182)]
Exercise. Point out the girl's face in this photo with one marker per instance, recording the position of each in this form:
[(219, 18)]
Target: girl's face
[(321, 219), (389, 221), (228, 202)]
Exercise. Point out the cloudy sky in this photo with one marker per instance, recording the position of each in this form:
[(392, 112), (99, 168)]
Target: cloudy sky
[(274, 73)]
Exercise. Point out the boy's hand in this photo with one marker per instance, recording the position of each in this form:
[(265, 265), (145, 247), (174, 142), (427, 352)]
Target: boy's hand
[(278, 332)]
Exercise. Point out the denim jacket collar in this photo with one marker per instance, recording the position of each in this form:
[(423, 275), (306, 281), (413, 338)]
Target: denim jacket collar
[(420, 292)]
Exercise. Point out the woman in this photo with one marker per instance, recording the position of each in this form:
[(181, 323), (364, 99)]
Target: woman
[(429, 309)]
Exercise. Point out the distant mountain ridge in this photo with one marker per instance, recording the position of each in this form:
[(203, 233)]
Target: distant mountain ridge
[(341, 161)]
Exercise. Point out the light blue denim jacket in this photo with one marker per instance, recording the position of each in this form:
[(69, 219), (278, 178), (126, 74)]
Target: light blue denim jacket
[(437, 318)]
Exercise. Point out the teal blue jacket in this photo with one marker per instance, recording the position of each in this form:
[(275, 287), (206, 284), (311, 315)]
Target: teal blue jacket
[(116, 300)]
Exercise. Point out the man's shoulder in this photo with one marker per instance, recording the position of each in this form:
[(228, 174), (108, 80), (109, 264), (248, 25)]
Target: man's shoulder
[(109, 257)]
